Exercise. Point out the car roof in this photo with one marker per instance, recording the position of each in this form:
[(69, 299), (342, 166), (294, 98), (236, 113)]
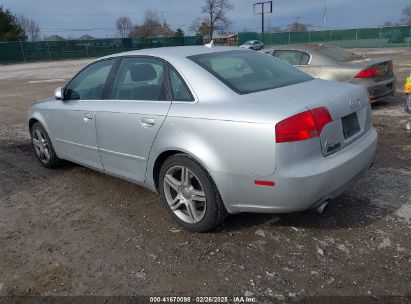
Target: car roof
[(176, 51)]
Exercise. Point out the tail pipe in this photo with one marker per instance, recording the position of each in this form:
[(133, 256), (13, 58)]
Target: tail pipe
[(322, 207)]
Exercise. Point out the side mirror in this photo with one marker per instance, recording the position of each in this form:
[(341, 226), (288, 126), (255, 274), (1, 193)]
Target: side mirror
[(59, 93)]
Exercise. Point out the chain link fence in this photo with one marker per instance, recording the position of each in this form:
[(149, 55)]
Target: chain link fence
[(20, 51), (399, 36)]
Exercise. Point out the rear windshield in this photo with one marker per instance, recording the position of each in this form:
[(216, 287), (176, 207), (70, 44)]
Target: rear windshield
[(250, 71), (338, 54)]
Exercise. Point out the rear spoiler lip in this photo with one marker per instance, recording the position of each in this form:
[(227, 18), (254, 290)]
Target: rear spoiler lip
[(368, 62)]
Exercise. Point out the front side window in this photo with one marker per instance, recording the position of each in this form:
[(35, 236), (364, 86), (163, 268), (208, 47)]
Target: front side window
[(89, 84), (140, 79), (247, 72), (179, 89)]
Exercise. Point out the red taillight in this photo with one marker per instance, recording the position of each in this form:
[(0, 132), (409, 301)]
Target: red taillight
[(302, 126), (321, 118), (368, 73)]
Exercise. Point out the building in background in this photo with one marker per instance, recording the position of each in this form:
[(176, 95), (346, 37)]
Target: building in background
[(230, 39)]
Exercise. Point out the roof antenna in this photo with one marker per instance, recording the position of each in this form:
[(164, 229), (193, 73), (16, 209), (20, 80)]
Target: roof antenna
[(210, 45)]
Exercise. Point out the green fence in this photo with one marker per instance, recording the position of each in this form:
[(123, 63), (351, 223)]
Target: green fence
[(350, 38), (11, 52)]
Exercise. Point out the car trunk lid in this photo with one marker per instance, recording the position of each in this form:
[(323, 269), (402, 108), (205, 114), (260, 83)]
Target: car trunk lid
[(347, 104), (379, 69)]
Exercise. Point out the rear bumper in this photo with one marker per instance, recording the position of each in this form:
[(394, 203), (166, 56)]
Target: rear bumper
[(378, 90), (382, 90), (299, 186)]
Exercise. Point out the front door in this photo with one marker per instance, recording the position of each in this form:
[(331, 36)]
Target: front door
[(74, 120)]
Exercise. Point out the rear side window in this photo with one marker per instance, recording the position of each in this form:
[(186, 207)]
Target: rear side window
[(247, 72), (140, 79), (179, 89), (338, 54), (291, 57), (305, 59)]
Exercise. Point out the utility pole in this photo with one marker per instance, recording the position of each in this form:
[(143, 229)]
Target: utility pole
[(324, 16), (297, 25), (265, 7), (262, 18)]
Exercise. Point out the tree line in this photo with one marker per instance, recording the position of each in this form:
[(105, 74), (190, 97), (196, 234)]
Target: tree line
[(13, 28), (155, 24), (213, 20), (405, 18)]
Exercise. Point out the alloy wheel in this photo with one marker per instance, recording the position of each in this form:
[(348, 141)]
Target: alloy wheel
[(184, 194), (41, 146)]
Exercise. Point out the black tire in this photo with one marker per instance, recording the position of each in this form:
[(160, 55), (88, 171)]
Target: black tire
[(215, 211), (49, 162)]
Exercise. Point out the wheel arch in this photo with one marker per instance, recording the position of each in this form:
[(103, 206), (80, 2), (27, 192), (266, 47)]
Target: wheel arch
[(38, 117), (32, 121), (164, 155)]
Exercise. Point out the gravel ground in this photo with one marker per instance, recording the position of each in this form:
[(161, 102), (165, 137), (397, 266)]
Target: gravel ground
[(74, 231)]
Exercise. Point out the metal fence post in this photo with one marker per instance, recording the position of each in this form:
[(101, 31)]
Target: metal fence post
[(309, 37), (356, 36), (22, 50), (409, 37), (379, 37), (289, 37), (48, 48), (68, 52)]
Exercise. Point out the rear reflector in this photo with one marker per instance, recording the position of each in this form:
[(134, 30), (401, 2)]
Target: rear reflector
[(368, 73), (264, 183), (302, 126)]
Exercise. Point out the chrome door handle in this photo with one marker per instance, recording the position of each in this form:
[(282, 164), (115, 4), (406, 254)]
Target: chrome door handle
[(88, 116), (147, 122)]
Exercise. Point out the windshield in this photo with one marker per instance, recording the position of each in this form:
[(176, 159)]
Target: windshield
[(248, 42), (338, 54), (248, 72)]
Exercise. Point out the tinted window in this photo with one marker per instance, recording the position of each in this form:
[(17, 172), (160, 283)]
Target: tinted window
[(89, 83), (139, 79), (305, 59), (247, 72), (338, 54), (291, 57), (179, 89)]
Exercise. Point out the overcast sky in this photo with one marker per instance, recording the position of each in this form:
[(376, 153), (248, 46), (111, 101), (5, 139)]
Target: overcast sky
[(97, 17)]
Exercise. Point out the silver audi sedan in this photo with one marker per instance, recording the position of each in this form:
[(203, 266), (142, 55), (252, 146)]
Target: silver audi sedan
[(213, 131)]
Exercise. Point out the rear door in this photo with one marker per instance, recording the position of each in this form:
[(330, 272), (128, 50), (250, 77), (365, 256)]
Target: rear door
[(128, 121)]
